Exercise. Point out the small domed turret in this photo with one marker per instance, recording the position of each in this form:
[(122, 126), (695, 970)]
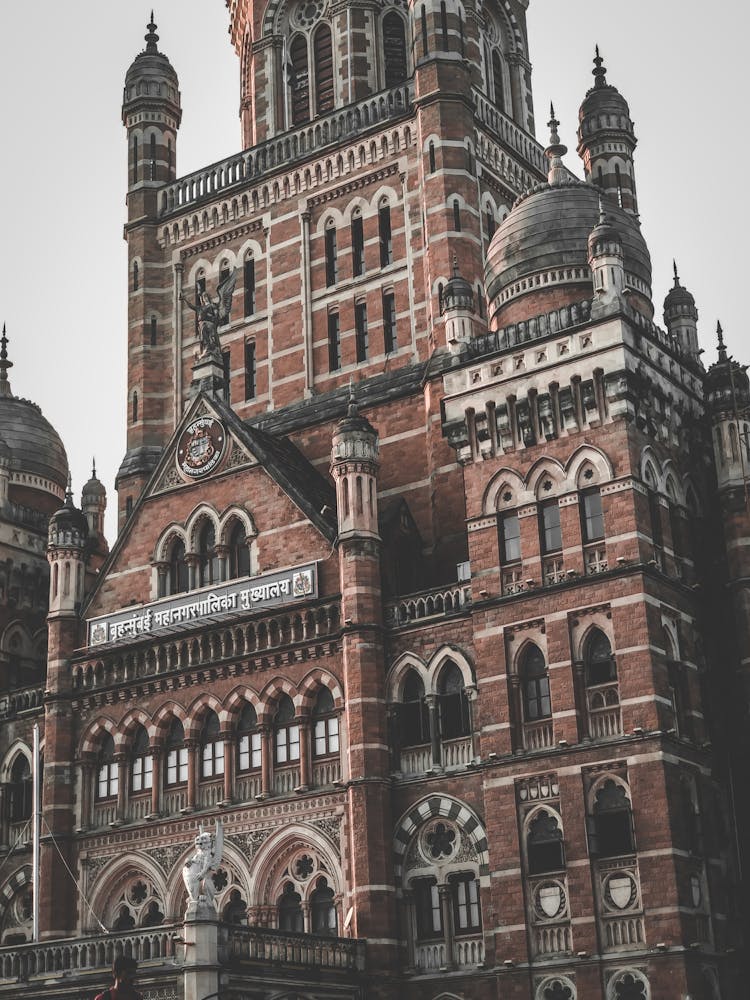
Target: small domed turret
[(354, 466), (728, 399), (93, 504), (66, 553), (607, 261), (68, 525), (681, 317), (458, 310)]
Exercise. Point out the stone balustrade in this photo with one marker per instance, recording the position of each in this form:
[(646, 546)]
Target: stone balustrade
[(434, 603), (257, 944)]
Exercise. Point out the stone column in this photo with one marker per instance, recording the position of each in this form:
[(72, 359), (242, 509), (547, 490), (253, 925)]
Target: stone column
[(305, 777), (228, 768), (192, 782), (156, 784), (446, 912), (122, 787), (84, 818), (201, 963), (266, 757), (432, 707)]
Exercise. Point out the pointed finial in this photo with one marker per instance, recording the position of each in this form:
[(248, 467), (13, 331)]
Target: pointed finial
[(352, 410), (676, 275), (555, 151), (599, 70), (69, 492), (4, 365), (151, 38), (722, 347), (93, 468), (455, 265), (602, 213)]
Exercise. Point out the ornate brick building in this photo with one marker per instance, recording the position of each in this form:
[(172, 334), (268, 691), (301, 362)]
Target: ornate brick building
[(426, 532)]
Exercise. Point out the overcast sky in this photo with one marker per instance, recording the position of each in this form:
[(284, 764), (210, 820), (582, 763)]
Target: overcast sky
[(63, 169)]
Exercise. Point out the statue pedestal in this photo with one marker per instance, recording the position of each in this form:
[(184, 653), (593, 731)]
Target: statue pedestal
[(208, 376), (201, 936)]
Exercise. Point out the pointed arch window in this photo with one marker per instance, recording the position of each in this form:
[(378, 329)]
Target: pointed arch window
[(592, 516), (394, 49), (428, 910), (455, 718), (239, 552), (107, 770), (385, 234), (179, 578), (208, 561), (136, 276), (598, 659), (545, 851), (249, 741), (249, 276), (291, 917), (323, 55), (20, 790), (497, 80), (141, 762), (467, 913), (325, 725), (134, 413), (299, 81), (176, 770), (323, 908), (212, 747), (535, 685), (286, 732), (414, 716), (611, 831)]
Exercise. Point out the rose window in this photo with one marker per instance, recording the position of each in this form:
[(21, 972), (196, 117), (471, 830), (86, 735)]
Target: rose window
[(440, 841), (221, 879), (304, 866), (558, 990), (305, 14)]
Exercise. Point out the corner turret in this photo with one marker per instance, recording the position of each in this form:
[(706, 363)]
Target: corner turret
[(681, 318), (354, 467)]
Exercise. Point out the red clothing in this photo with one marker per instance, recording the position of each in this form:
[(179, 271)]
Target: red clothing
[(120, 993)]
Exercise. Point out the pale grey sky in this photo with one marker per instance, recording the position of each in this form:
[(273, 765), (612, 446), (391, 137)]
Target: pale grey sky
[(63, 169)]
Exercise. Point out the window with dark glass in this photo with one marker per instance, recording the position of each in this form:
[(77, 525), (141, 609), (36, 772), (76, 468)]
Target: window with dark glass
[(455, 719), (208, 560), (299, 80), (141, 762), (414, 716), (535, 685), (423, 21), (598, 659), (618, 180), (224, 272), (431, 152), (443, 26), (212, 747), (491, 224), (654, 508), (135, 159), (549, 524), (176, 760), (20, 790), (286, 732), (611, 832), (179, 577), (334, 342), (385, 235), (152, 156), (497, 80), (251, 370), (592, 516), (323, 54), (456, 216), (239, 553), (323, 909), (249, 286), (676, 525), (394, 49), (134, 413), (510, 538), (290, 910), (325, 725), (360, 330), (358, 246), (467, 913), (249, 741), (152, 331), (332, 269), (136, 276), (427, 906), (107, 770), (545, 851), (390, 338)]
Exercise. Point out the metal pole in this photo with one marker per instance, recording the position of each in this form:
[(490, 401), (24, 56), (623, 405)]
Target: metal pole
[(35, 834)]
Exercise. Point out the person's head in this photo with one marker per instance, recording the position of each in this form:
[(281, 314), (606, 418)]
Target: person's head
[(124, 969)]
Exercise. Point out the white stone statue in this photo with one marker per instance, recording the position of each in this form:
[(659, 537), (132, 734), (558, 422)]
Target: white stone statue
[(197, 872)]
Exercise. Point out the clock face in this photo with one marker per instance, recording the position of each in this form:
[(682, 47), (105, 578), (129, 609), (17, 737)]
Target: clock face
[(201, 447)]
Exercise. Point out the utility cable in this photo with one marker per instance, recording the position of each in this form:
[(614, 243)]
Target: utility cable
[(19, 839), (74, 879)]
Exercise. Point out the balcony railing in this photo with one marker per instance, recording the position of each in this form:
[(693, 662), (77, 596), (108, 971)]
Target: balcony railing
[(21, 701), (247, 787), (624, 932), (537, 735), (283, 150), (256, 944), (507, 130), (415, 760), (456, 753), (431, 956), (604, 711), (553, 571), (596, 560), (285, 780), (325, 772), (210, 794), (513, 581), (436, 603)]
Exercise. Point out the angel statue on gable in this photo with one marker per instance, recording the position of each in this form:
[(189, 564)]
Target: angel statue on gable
[(213, 313), (197, 872)]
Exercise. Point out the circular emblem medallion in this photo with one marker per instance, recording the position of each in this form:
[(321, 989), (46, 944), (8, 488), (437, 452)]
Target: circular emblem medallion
[(201, 447)]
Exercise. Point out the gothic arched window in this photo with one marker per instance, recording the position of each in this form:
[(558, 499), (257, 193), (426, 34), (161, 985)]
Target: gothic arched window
[(544, 844), (299, 81), (612, 822), (249, 741), (290, 910), (176, 771), (20, 791), (239, 553), (107, 770), (179, 579), (497, 80), (467, 913), (208, 561), (414, 717), (323, 56), (325, 725), (286, 732), (323, 909), (212, 747), (141, 762), (598, 659), (394, 49), (535, 685), (454, 705)]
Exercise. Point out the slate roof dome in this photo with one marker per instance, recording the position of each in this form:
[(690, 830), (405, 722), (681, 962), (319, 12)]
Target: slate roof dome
[(68, 522), (603, 108), (151, 75), (37, 455)]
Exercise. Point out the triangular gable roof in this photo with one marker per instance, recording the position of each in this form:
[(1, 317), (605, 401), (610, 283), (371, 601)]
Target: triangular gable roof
[(282, 460)]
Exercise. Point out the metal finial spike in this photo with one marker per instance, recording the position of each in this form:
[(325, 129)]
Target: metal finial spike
[(722, 346), (69, 491), (455, 265), (93, 467), (599, 70), (551, 110), (352, 410), (151, 38), (676, 275)]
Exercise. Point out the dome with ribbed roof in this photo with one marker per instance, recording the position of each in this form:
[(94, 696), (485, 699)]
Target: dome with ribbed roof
[(151, 75), (603, 108)]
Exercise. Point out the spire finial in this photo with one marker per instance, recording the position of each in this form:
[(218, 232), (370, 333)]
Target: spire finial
[(602, 213), (455, 265), (5, 364), (151, 38), (93, 468), (69, 492), (722, 347), (352, 410), (555, 151), (599, 70), (676, 275)]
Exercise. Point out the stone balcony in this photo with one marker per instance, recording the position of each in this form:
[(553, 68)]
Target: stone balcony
[(439, 602)]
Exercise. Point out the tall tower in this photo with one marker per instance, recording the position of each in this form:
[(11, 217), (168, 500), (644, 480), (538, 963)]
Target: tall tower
[(151, 113), (606, 140), (681, 318)]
